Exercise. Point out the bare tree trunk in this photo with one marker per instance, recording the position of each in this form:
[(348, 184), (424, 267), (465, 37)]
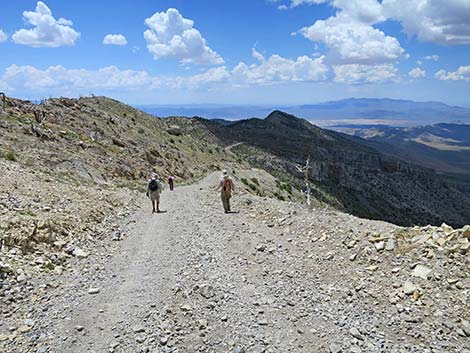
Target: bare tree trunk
[(305, 169), (3, 100)]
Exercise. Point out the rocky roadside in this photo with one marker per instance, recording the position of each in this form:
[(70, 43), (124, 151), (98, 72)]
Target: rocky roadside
[(272, 277), (47, 225)]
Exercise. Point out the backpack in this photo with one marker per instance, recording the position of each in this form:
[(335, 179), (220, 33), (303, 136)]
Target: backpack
[(228, 187), (153, 185)]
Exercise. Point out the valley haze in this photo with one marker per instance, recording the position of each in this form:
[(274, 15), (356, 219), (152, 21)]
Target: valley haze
[(352, 111)]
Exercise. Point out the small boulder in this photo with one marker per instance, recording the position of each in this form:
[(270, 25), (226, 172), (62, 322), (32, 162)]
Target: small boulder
[(409, 288), (175, 130), (390, 245), (380, 245), (356, 334), (93, 291), (447, 229), (421, 272), (77, 252)]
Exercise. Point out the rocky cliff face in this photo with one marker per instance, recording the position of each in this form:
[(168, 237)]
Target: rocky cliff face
[(346, 173)]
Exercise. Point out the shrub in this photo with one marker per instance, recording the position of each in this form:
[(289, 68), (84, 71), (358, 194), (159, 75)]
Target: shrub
[(9, 155), (284, 186), (255, 181)]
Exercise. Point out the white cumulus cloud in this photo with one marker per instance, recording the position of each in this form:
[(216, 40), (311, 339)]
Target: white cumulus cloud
[(351, 41), (432, 57), (439, 21), (115, 39), (363, 74), (417, 73), (170, 35), (57, 79), (3, 36), (363, 11), (462, 74), (213, 75), (279, 69), (46, 31), (295, 3)]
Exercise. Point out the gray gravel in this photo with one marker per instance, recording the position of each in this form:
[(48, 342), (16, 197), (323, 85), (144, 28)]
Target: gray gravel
[(271, 277)]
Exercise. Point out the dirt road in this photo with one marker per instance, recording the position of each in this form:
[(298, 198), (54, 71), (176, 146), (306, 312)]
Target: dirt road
[(271, 277)]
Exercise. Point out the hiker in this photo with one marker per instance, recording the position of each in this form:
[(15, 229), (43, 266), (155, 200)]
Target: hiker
[(226, 189), (171, 182), (154, 189)]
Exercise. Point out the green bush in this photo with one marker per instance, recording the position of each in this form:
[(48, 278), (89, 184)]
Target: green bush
[(255, 181), (9, 155), (284, 186), (250, 185), (287, 187)]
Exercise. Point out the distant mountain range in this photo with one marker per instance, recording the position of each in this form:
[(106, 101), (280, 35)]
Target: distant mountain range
[(96, 140), (347, 172), (443, 147), (353, 111)]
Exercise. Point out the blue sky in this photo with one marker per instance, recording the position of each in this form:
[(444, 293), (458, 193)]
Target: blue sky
[(237, 51)]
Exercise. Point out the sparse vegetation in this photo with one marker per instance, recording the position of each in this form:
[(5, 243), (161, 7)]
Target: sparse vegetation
[(8, 155), (287, 187), (251, 186)]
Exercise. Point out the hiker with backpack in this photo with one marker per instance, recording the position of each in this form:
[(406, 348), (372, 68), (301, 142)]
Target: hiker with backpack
[(226, 190), (171, 182), (154, 189)]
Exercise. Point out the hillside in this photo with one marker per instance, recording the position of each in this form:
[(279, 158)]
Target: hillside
[(443, 147), (72, 165), (272, 276), (347, 173), (85, 266), (105, 144)]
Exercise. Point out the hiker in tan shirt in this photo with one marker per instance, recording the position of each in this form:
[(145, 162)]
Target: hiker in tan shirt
[(226, 189)]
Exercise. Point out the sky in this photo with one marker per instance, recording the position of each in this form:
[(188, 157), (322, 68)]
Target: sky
[(253, 52)]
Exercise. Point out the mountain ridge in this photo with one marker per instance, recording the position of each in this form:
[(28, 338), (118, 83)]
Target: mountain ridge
[(102, 139), (386, 111), (346, 171)]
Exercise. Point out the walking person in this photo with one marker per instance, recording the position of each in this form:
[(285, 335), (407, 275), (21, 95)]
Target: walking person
[(171, 182), (226, 189), (154, 189)]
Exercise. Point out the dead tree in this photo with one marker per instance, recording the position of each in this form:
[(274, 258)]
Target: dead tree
[(3, 100), (305, 170), (40, 116)]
